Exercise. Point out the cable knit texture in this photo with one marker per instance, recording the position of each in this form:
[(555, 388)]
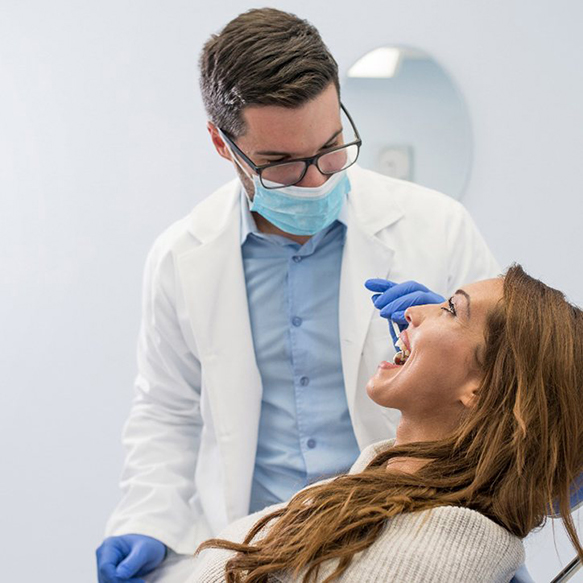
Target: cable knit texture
[(443, 545)]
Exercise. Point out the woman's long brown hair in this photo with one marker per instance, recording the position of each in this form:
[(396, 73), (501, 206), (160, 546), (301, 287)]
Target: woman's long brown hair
[(513, 459)]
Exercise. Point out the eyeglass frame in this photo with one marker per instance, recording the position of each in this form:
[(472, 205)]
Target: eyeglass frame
[(309, 161)]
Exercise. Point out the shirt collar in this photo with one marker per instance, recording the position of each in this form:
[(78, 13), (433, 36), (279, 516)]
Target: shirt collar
[(249, 226)]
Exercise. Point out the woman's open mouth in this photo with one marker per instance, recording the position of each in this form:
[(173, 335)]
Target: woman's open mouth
[(404, 350)]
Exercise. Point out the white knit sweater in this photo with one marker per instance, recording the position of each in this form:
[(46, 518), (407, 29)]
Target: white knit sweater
[(443, 545)]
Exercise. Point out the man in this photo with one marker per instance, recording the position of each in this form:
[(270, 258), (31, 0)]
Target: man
[(258, 335)]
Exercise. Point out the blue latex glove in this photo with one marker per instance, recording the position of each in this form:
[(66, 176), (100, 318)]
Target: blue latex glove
[(394, 298), (124, 559)]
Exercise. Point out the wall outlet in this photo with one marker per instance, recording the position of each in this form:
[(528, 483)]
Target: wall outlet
[(397, 162)]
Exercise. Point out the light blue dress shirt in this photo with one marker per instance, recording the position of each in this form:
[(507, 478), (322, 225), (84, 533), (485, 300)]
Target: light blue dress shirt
[(305, 431)]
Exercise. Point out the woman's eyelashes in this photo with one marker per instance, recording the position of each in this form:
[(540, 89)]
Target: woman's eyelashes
[(451, 307)]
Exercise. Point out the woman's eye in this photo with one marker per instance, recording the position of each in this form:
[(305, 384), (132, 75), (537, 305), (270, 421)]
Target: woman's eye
[(451, 307)]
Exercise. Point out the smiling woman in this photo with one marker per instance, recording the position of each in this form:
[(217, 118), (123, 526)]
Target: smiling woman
[(488, 445), (440, 379)]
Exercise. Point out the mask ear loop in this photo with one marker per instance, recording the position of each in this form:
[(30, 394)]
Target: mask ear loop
[(234, 156), (236, 160)]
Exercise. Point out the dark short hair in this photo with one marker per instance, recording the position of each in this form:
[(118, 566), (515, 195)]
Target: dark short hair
[(263, 57)]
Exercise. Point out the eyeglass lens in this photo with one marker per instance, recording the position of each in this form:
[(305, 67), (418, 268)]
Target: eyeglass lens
[(329, 163)]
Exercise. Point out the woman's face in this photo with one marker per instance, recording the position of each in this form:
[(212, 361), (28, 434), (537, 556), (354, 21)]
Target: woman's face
[(440, 377)]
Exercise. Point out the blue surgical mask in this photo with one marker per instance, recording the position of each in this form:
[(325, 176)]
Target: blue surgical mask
[(301, 211)]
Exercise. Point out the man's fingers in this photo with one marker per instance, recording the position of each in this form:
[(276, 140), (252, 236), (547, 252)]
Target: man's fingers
[(400, 304), (133, 562), (397, 291), (109, 555), (106, 573), (378, 285), (399, 318)]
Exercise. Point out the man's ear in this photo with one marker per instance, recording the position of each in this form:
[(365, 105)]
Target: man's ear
[(218, 141)]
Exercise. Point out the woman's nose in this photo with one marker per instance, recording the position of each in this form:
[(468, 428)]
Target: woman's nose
[(411, 316), (416, 314)]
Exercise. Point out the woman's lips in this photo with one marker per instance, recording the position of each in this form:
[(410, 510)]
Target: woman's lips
[(405, 338), (385, 364)]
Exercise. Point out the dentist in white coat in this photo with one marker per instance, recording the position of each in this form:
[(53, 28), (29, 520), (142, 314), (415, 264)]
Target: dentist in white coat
[(258, 335)]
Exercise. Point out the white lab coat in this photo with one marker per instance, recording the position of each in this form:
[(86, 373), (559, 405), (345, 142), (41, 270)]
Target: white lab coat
[(192, 432)]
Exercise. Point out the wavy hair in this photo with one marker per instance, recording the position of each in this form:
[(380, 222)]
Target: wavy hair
[(514, 457)]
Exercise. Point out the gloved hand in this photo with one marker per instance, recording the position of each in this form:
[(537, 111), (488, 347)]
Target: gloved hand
[(124, 559), (394, 298)]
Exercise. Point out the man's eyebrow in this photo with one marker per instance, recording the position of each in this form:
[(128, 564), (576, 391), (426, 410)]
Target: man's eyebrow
[(274, 153), (461, 292)]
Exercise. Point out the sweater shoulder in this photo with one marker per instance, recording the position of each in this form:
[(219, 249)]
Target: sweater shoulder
[(369, 453), (441, 545)]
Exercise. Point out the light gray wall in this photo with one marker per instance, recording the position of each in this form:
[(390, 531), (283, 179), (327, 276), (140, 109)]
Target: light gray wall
[(103, 143)]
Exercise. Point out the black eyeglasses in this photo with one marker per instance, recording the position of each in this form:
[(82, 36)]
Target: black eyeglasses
[(290, 172)]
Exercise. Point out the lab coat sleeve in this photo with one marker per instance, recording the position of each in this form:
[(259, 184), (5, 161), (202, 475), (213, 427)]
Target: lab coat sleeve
[(162, 434), (470, 259)]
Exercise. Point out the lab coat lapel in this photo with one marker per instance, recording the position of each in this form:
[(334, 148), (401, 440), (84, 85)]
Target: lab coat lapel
[(365, 256), (217, 304)]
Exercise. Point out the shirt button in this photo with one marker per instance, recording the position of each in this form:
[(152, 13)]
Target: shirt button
[(311, 443), (304, 381), (296, 321), (297, 258)]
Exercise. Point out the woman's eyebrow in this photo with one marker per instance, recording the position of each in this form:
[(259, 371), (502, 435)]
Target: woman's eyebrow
[(461, 292)]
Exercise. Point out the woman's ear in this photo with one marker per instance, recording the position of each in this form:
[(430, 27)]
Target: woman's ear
[(469, 393), (218, 141)]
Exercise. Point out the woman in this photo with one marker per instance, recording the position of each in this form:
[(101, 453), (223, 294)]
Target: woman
[(489, 442)]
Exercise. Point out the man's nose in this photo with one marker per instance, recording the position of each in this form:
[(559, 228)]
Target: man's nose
[(313, 178)]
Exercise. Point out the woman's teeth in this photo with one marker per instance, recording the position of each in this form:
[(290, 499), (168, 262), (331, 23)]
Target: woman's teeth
[(403, 354)]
